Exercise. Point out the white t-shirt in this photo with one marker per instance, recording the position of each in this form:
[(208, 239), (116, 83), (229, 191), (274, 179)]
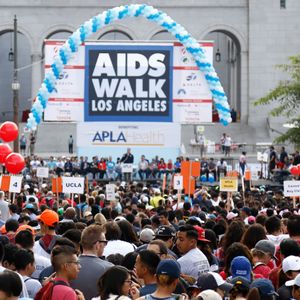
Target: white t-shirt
[(118, 246), (32, 285), (37, 249), (41, 263), (193, 263), (277, 239)]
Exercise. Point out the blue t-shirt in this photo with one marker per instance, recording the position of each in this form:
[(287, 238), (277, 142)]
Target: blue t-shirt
[(148, 289)]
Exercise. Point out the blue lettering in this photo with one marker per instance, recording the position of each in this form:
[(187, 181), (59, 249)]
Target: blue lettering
[(97, 137), (108, 135), (121, 137)]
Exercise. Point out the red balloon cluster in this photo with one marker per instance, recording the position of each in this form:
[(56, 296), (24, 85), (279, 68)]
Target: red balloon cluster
[(14, 162), (295, 170)]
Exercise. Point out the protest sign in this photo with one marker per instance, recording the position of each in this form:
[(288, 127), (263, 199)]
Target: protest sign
[(73, 185)]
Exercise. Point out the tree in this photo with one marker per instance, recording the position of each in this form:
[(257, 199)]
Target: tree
[(287, 96)]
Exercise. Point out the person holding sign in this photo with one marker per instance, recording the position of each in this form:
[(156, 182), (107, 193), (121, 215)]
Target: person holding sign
[(127, 158)]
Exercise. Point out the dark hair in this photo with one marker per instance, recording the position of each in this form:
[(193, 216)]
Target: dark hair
[(73, 235), (1, 252), (211, 236), (163, 213), (13, 208), (236, 249), (129, 260), (233, 234), (289, 247), (63, 227), (23, 258), (293, 225), (10, 284), (60, 254), (111, 281), (145, 222), (127, 232), (261, 219), (116, 259), (149, 259), (62, 241), (252, 235), (273, 224), (10, 251), (112, 231), (190, 231), (11, 225), (25, 239)]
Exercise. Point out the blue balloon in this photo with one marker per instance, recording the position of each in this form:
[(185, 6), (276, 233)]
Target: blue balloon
[(211, 178), (203, 178)]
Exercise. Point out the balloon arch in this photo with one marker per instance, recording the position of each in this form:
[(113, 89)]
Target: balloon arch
[(120, 13)]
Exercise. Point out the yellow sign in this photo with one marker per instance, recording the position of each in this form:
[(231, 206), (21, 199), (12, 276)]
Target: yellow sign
[(228, 184)]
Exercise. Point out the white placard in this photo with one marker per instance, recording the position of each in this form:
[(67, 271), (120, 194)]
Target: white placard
[(178, 182), (15, 184), (110, 192), (73, 185), (291, 188), (127, 168), (42, 172)]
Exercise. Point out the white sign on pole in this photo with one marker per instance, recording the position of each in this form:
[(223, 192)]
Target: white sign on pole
[(110, 192), (15, 184), (42, 172), (127, 168), (291, 188), (73, 185), (178, 182)]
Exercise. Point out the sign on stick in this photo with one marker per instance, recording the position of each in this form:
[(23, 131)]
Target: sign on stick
[(73, 185)]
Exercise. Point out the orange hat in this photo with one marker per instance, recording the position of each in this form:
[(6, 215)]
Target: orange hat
[(26, 227), (3, 229), (48, 217)]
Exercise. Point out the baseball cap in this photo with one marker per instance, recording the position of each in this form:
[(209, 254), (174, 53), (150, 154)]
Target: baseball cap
[(250, 220), (87, 214), (119, 218), (26, 227), (231, 215), (295, 281), (196, 219), (264, 286), (212, 281), (291, 263), (241, 281), (201, 234), (241, 266), (267, 247), (29, 206), (48, 217), (147, 235), (246, 209), (169, 267), (165, 231), (209, 295)]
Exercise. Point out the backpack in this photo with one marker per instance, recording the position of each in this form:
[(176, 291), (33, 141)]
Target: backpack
[(45, 293)]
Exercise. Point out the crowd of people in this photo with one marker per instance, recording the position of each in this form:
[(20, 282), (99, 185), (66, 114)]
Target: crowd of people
[(148, 243)]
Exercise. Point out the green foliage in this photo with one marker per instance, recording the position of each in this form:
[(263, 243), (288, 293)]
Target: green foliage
[(287, 96)]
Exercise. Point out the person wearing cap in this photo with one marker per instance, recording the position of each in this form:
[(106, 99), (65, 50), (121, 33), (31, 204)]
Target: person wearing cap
[(203, 245), (291, 268), (88, 216), (241, 267), (209, 295), (146, 235), (212, 281), (263, 252), (157, 200), (145, 266), (166, 234), (240, 288), (295, 284), (167, 277), (193, 262), (265, 290), (48, 221)]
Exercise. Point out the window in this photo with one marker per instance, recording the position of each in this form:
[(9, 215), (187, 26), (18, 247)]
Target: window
[(282, 3)]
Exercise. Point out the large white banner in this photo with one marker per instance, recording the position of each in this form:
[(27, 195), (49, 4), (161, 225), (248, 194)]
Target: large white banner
[(191, 99), (73, 185), (94, 134)]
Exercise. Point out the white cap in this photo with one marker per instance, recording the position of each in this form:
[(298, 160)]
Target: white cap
[(147, 235), (231, 215), (119, 218), (209, 295), (26, 186), (291, 263), (296, 281), (145, 199)]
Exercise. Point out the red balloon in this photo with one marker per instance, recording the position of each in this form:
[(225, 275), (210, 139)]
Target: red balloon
[(294, 170), (4, 151), (14, 163), (8, 131)]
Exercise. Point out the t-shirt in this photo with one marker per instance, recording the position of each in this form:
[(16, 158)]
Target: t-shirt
[(41, 263), (148, 289), (277, 239), (63, 292), (262, 269), (193, 263), (118, 246), (92, 268), (4, 210), (32, 285)]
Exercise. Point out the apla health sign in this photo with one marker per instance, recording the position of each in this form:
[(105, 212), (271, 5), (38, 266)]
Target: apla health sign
[(128, 83)]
